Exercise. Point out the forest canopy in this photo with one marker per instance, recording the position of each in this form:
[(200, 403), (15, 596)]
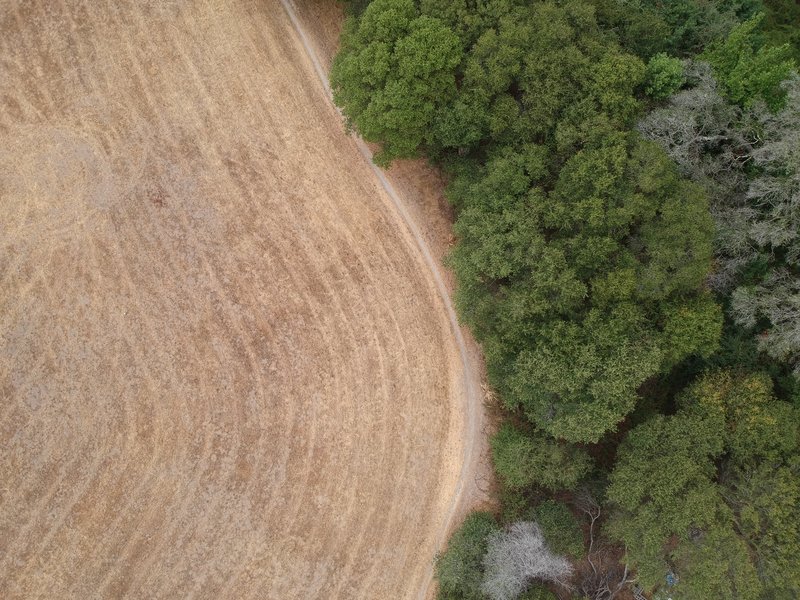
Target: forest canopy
[(626, 181)]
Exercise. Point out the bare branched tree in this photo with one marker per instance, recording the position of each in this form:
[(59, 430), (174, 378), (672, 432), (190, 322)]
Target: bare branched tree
[(605, 577), (777, 299), (748, 161), (776, 191), (516, 557)]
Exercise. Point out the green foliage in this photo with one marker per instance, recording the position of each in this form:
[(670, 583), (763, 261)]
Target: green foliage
[(716, 565), (749, 70), (755, 427), (515, 504), (664, 76), (581, 293), (692, 327), (538, 592), (678, 27), (560, 528), (782, 24), (662, 487), (459, 570), (524, 66), (394, 68), (701, 491), (468, 18), (767, 500), (524, 459)]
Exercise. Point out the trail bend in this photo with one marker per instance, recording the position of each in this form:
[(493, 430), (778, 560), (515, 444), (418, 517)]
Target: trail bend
[(473, 396)]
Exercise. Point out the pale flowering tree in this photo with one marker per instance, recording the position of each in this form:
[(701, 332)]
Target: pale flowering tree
[(514, 558)]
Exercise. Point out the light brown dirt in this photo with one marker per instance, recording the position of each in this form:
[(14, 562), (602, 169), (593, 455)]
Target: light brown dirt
[(226, 369), (417, 192)]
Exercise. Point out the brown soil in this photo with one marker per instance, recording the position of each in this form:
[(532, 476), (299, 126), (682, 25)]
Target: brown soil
[(226, 367)]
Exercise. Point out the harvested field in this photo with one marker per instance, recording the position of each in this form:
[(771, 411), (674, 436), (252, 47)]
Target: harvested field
[(226, 370)]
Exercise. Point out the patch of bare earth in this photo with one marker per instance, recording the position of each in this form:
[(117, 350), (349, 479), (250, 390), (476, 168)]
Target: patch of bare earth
[(225, 369)]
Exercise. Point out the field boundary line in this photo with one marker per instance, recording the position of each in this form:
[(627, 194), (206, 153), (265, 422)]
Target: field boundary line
[(471, 378)]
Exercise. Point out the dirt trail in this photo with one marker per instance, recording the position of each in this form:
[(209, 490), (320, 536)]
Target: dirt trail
[(466, 494), (227, 367)]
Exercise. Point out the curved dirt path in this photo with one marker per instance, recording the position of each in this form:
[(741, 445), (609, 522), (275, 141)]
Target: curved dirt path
[(226, 370), (465, 493)]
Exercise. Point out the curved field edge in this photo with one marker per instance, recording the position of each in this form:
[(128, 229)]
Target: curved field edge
[(167, 506), (464, 494)]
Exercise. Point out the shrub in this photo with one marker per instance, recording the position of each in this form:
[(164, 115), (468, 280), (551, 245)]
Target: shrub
[(525, 459), (538, 592), (460, 569), (664, 76), (560, 528)]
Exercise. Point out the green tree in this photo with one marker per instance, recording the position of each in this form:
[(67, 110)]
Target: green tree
[(755, 427), (760, 473), (679, 27), (394, 69), (560, 528), (662, 487), (525, 459), (712, 492), (749, 70), (782, 24), (766, 500), (459, 570), (715, 565), (664, 76), (581, 293), (468, 18)]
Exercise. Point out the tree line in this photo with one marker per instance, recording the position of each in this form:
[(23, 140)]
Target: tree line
[(626, 180)]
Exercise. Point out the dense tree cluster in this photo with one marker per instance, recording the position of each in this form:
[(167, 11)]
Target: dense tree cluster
[(695, 492), (582, 252), (626, 179), (748, 161)]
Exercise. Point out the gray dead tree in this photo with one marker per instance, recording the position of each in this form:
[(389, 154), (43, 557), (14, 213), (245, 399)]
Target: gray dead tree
[(778, 300), (514, 558)]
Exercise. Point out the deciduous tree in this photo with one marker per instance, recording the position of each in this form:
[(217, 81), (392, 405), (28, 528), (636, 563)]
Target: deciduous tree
[(394, 69)]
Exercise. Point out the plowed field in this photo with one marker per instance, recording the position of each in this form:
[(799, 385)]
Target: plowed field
[(225, 368)]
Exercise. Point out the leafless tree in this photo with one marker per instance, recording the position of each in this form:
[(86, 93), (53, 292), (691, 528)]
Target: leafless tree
[(712, 141), (516, 557), (776, 191), (778, 300), (602, 577)]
